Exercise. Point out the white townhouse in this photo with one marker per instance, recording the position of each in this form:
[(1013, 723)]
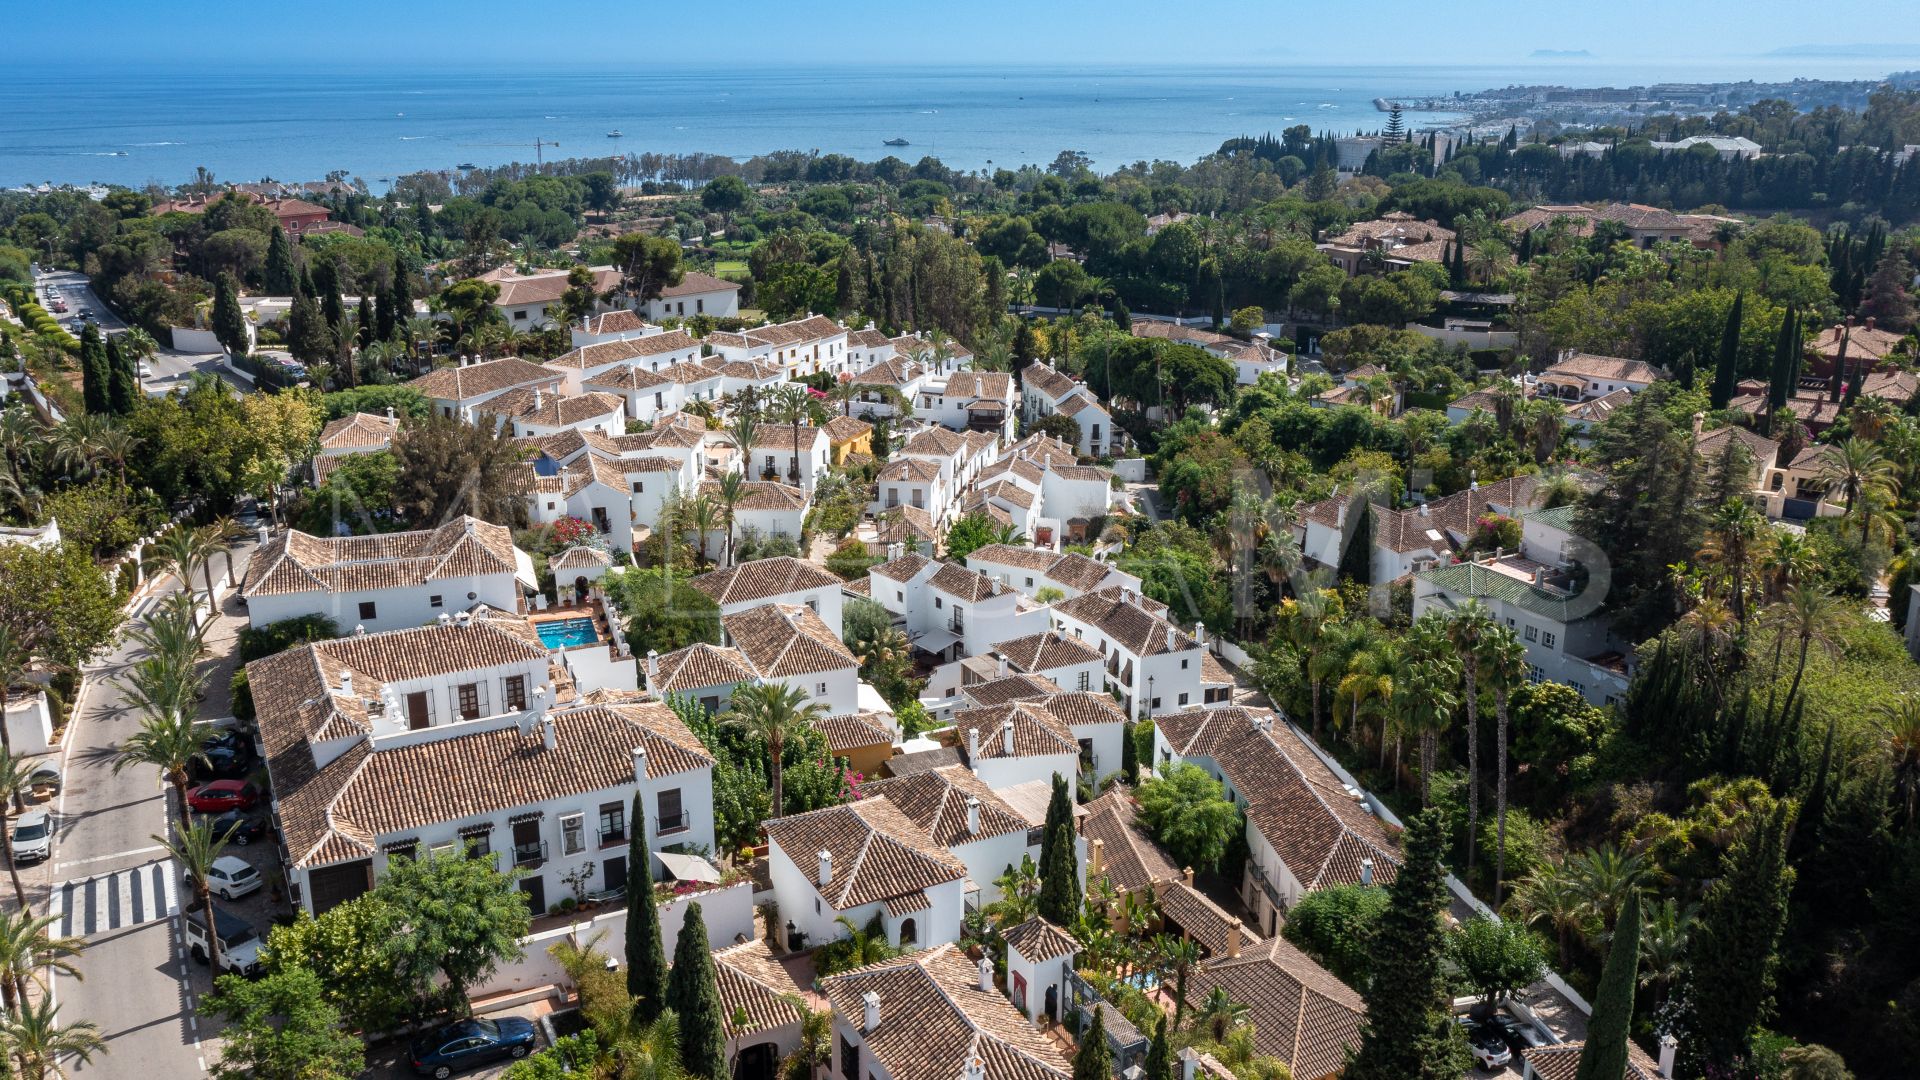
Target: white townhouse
[(806, 346), (1037, 738), (779, 580), (765, 509), (1068, 663), (866, 348), (800, 456), (648, 352), (939, 359), (387, 581), (964, 815), (1046, 392), (458, 391), (933, 1014), (1038, 484), (760, 1005), (531, 412), (1250, 359), (862, 861), (896, 374), (947, 610), (790, 645), (652, 393), (527, 301), (916, 483), (617, 325), (1578, 376), (1154, 665), (1030, 570), (1410, 540), (619, 484), (969, 401), (961, 455), (360, 433), (449, 737), (696, 294), (1306, 829)]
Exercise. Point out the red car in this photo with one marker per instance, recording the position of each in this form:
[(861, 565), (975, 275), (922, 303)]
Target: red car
[(223, 795)]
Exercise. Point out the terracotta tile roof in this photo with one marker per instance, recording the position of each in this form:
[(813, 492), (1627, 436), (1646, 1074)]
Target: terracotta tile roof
[(1477, 399), (934, 1019), (1598, 409), (563, 446), (1041, 726), (1299, 1012), (1072, 569), (1045, 651), (1005, 490), (488, 377), (786, 639), (614, 352), (1048, 381), (992, 385), (785, 437), (969, 585), (1203, 920), (621, 321), (1019, 686), (1037, 939), (868, 338), (853, 731), (978, 442), (1394, 227), (626, 379), (1214, 673), (936, 800), (662, 436), (762, 578), (580, 557), (878, 852), (910, 470), (1639, 216), (755, 985), (1317, 828), (1130, 858), (904, 568), (1127, 623), (761, 495), (1024, 558), (934, 442), (896, 372), (1711, 444), (693, 281), (358, 431), (1580, 217), (1451, 517), (844, 429), (977, 504), (1589, 366), (701, 666), (295, 562), (1561, 1061), (1078, 403), (548, 409), (546, 287), (1808, 409), (1041, 447), (898, 523)]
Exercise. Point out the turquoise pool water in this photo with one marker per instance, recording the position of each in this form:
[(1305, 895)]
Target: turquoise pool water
[(566, 633)]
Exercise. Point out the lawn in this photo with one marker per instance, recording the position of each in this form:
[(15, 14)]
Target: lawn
[(724, 267)]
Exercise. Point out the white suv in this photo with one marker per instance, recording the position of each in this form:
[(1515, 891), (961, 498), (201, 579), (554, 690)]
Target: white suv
[(231, 878), (32, 837)]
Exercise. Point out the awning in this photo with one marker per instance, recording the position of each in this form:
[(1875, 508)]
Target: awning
[(523, 571), (687, 867), (935, 641)]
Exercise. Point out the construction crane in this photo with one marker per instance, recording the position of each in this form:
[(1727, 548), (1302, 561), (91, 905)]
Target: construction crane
[(538, 146)]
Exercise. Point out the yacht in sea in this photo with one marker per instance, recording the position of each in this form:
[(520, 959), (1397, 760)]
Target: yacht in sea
[(897, 142), (614, 134)]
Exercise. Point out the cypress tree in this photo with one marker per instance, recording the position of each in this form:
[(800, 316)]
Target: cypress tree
[(1356, 562), (646, 959), (306, 283), (1727, 372), (94, 377), (1780, 380), (366, 320), (121, 380), (1094, 1059), (229, 323), (402, 295), (1605, 1055), (1122, 318), (1159, 1064), (327, 281), (1730, 982), (307, 336), (1059, 899), (280, 279), (1409, 1033), (694, 996), (1130, 754)]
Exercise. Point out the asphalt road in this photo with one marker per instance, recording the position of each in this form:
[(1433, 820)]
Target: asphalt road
[(108, 878), (171, 367)]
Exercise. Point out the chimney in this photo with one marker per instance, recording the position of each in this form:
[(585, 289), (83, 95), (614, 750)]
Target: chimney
[(869, 1001), (1539, 576), (1096, 856), (973, 816), (976, 1069), (1171, 635), (1119, 911), (653, 668), (639, 764), (1233, 939), (1423, 510), (1187, 876), (973, 744), (1003, 667), (549, 734), (346, 682), (986, 974), (389, 412), (1006, 737), (1189, 1063), (1366, 871), (1669, 1046), (536, 397), (823, 876), (1199, 631), (1869, 322), (359, 629)]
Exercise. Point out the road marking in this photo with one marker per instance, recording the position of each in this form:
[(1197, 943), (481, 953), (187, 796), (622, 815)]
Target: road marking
[(130, 897), (107, 858)]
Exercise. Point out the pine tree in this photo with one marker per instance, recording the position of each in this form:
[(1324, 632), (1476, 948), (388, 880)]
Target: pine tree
[(280, 279), (646, 959), (1605, 1055), (1059, 899), (307, 336), (1727, 372), (1409, 1032), (1094, 1059), (229, 323), (122, 380), (1396, 125), (1730, 980), (1889, 300), (94, 377), (694, 997), (1159, 1064)]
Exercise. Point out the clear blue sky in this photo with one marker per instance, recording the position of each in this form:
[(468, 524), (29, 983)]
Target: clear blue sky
[(805, 35)]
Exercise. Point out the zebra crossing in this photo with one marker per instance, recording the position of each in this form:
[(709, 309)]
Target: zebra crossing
[(130, 897)]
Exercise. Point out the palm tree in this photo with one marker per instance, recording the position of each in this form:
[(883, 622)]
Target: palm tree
[(138, 344), (1903, 747), (1219, 1014), (775, 712), (1180, 956), (21, 439), (1549, 897), (1367, 687), (1860, 472), (180, 552), (1427, 688), (1468, 630), (116, 446), (1605, 878), (1664, 931), (791, 405), (1810, 615), (1545, 422), (1555, 488), (76, 445), (703, 517), (170, 742), (41, 1046), (745, 429), (196, 849), (1732, 542), (1503, 664), (1019, 894), (1309, 619), (731, 489), (28, 953)]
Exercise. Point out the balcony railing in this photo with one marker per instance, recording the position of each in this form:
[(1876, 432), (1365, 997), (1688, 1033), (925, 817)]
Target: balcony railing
[(670, 823), (529, 855), (611, 837)]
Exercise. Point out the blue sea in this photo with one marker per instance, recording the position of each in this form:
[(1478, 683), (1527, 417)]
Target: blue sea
[(135, 125)]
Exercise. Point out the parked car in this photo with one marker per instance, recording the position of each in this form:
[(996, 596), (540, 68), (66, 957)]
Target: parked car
[(146, 370), (239, 943), (1489, 1045), (223, 795), (230, 878), (468, 1043), (228, 739), (32, 838), (1516, 1033), (239, 829), (222, 763), (59, 306)]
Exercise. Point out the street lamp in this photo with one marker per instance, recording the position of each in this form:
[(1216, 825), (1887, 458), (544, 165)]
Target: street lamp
[(1149, 695)]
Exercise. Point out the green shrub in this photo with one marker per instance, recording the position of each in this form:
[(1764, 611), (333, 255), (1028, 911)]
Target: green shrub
[(283, 635), (240, 696)]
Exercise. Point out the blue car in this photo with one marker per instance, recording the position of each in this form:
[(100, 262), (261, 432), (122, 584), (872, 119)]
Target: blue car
[(470, 1043)]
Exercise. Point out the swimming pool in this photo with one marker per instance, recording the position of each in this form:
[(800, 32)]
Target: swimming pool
[(566, 633)]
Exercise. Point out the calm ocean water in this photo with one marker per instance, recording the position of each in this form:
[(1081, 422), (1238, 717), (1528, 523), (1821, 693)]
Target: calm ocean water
[(135, 125)]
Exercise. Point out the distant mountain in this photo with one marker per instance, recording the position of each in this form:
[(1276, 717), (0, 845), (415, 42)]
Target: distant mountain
[(1868, 50), (1560, 54)]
